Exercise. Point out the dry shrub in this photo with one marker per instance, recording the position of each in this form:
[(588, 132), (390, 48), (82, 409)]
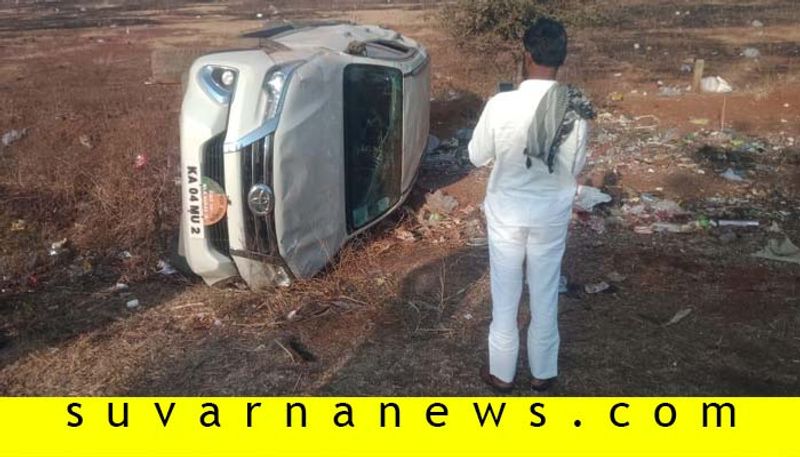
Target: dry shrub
[(353, 280), (492, 25)]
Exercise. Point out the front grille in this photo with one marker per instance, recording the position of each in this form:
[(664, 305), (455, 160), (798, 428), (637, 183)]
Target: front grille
[(257, 168), (214, 168)]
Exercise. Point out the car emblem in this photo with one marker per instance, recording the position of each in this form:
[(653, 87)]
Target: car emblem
[(260, 199)]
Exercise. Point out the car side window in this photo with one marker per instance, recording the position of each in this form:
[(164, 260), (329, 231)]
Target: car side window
[(373, 141)]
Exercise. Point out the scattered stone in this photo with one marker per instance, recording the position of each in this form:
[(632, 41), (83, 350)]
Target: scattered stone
[(731, 175), (616, 277), (751, 53), (18, 225), (404, 236), (670, 91), (140, 161), (13, 135), (596, 288), (85, 141)]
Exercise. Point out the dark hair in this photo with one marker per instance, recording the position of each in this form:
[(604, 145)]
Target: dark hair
[(546, 42)]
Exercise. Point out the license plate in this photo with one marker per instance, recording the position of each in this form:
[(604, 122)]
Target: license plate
[(194, 207)]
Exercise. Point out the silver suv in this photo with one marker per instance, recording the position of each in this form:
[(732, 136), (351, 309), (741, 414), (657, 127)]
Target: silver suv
[(291, 149)]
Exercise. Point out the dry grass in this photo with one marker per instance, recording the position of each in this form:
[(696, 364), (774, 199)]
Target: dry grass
[(75, 176)]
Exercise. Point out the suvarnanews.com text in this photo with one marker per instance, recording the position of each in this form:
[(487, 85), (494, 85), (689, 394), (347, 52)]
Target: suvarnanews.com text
[(386, 414)]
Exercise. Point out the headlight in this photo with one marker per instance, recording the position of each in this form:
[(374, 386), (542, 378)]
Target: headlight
[(218, 82), (275, 86)]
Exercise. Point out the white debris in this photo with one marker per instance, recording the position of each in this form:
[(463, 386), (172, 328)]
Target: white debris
[(440, 203), (118, 287), (588, 197), (13, 135), (670, 227), (757, 24), (679, 316), (405, 236), (165, 269), (57, 247), (731, 175), (616, 277), (131, 304), (751, 53), (85, 141), (716, 85), (596, 288), (670, 91)]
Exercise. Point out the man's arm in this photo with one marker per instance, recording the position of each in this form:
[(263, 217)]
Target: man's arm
[(575, 145), (481, 146)]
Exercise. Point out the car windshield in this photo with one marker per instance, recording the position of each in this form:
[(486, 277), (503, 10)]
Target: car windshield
[(373, 141)]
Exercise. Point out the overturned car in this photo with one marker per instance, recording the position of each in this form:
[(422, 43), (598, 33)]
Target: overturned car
[(291, 149)]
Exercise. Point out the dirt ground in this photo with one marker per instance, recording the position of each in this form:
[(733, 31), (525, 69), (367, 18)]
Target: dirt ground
[(398, 316)]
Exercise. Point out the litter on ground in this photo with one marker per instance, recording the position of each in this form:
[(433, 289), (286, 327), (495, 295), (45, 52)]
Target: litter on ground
[(782, 250), (679, 316)]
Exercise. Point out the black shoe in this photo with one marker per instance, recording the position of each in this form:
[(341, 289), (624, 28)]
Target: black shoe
[(496, 384), (540, 385)]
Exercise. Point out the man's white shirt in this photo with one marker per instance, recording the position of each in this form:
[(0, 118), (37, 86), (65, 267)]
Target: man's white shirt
[(517, 195)]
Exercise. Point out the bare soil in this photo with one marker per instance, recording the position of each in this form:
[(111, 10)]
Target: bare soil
[(395, 317)]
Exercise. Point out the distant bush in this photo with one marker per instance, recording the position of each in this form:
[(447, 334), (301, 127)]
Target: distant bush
[(500, 24)]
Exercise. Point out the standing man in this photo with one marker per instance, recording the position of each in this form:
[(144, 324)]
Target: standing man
[(536, 136)]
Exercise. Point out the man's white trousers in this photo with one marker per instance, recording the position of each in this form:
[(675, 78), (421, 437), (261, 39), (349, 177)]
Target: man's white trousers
[(509, 247)]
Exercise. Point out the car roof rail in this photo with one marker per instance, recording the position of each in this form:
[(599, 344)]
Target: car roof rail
[(275, 28)]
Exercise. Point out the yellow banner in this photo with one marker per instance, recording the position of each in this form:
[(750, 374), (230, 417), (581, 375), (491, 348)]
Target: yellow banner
[(439, 427)]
